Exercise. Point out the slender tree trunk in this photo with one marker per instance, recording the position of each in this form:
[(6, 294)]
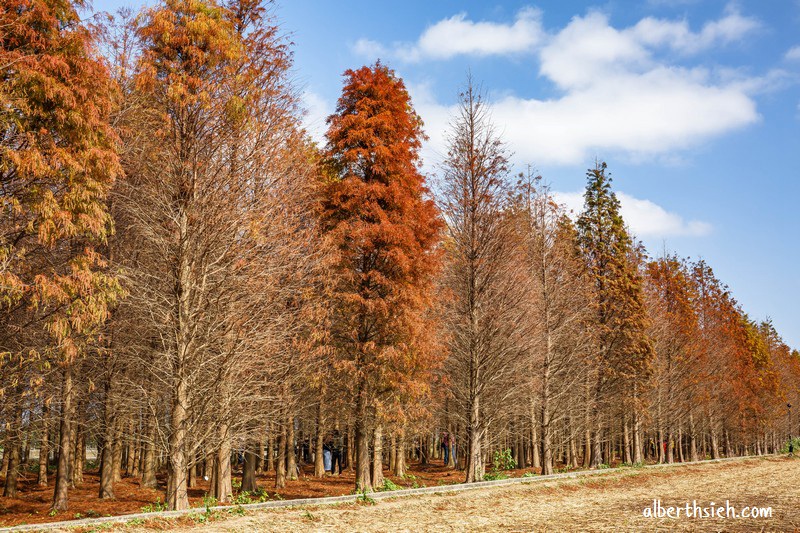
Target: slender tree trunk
[(78, 455), (61, 492), (177, 489), (637, 437), (271, 449), (280, 467), (547, 450), (6, 457), (130, 445), (377, 457), (363, 479), (149, 458), (44, 448), (12, 473), (597, 452), (714, 438), (249, 468), (107, 479), (106, 467), (728, 450), (392, 452), (291, 462), (475, 457), (262, 447), (191, 472), (692, 439), (319, 445), (626, 442), (222, 488), (137, 457), (400, 454), (587, 424)]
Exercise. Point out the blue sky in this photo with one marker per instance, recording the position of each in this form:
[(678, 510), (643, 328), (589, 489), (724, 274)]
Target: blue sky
[(694, 105)]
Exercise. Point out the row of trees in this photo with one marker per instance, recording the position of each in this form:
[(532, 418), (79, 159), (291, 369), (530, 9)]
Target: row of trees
[(184, 274)]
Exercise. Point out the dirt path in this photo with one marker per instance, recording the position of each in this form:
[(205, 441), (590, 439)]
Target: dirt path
[(611, 503)]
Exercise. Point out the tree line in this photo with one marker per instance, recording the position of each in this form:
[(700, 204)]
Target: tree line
[(185, 275)]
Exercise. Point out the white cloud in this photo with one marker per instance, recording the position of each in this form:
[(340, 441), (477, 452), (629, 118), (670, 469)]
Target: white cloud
[(677, 35), (616, 95), (793, 53), (648, 219), (458, 35), (645, 218), (317, 112), (369, 49)]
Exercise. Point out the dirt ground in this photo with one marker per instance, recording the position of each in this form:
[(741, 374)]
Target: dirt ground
[(32, 504), (612, 502)]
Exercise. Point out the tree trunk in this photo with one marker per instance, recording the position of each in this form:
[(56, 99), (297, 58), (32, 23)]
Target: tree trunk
[(291, 462), (149, 458), (116, 452), (637, 437), (177, 489), (670, 445), (44, 448), (351, 452), (262, 446), (392, 453), (626, 442), (363, 479), (130, 445), (475, 457), (728, 450), (692, 439), (270, 449), (319, 445), (106, 467), (587, 421), (400, 454), (714, 438), (280, 467), (597, 452), (6, 457), (222, 488), (137, 457), (452, 461), (191, 472), (377, 457), (12, 473), (61, 492), (249, 468), (78, 454)]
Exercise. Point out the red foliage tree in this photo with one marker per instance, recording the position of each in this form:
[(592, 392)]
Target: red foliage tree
[(377, 213)]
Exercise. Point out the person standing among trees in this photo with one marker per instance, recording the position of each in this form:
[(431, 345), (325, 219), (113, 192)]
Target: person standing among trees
[(446, 447)]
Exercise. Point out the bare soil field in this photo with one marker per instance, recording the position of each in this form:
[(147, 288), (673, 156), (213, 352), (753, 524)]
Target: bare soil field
[(612, 502)]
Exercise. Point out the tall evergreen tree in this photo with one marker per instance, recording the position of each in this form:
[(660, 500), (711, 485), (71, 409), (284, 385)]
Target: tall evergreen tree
[(624, 350)]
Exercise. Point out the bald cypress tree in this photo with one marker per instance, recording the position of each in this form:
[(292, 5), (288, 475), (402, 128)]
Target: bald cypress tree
[(376, 213), (58, 160), (624, 350)]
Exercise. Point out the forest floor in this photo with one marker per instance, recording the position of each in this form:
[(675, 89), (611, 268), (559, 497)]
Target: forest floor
[(613, 501), (32, 504)]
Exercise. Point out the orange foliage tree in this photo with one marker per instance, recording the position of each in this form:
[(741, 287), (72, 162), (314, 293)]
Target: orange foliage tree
[(377, 213), (57, 162)]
